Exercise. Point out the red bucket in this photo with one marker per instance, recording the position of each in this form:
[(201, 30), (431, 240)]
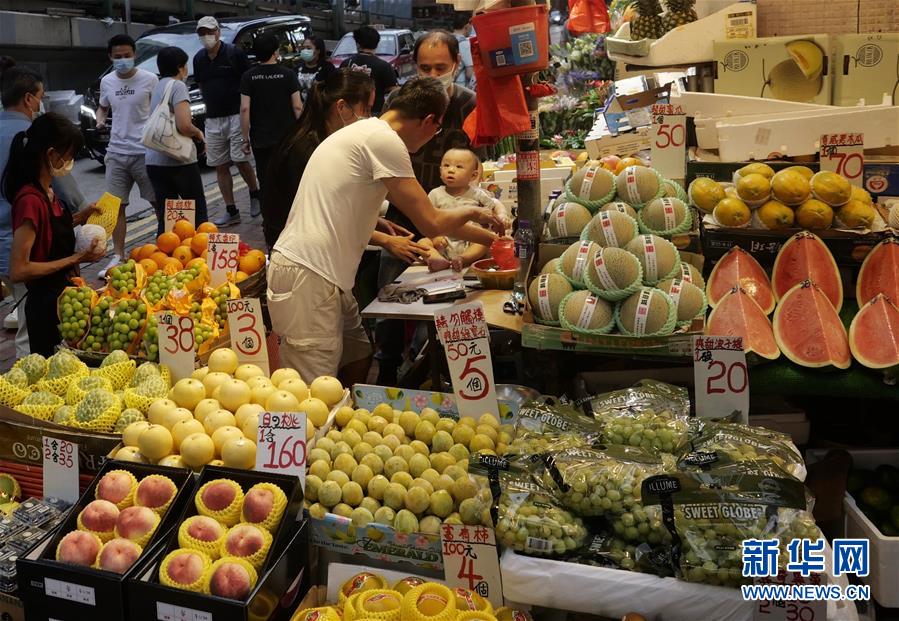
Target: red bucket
[(513, 41)]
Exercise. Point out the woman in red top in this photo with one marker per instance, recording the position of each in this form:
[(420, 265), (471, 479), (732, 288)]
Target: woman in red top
[(43, 248)]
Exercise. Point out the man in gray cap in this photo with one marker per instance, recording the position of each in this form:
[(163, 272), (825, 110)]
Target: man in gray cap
[(218, 68)]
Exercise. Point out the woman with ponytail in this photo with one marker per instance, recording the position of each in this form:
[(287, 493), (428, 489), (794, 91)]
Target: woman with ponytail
[(43, 248)]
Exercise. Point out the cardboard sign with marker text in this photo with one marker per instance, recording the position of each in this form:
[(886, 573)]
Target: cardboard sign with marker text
[(669, 139), (180, 209), (60, 469), (844, 154), (223, 256), (721, 377), (248, 332), (281, 444), (471, 560), (175, 335)]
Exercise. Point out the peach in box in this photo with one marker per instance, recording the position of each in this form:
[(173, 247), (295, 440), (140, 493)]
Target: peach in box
[(244, 540), (99, 516), (118, 555), (78, 548), (233, 578), (155, 492), (220, 499), (204, 528), (184, 569), (136, 524), (116, 486)]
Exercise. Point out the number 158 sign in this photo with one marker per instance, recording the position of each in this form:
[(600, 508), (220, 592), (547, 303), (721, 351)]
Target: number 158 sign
[(669, 139), (721, 376)]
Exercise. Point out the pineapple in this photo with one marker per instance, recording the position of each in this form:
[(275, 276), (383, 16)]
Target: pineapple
[(647, 24), (680, 12)]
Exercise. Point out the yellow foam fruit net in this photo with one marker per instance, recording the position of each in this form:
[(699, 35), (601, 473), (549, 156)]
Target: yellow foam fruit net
[(211, 548), (404, 585), (258, 558), (475, 615), (75, 393), (42, 410), (381, 604), (11, 395), (271, 521), (511, 614), (103, 422), (59, 385), (349, 607), (429, 602), (145, 538), (322, 613), (195, 586), (230, 515), (99, 544), (468, 600), (160, 511), (364, 581), (118, 374), (104, 537), (96, 565), (109, 212), (230, 559), (128, 500)]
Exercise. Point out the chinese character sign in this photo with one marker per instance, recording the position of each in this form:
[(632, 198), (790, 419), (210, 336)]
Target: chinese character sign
[(844, 154), (223, 256), (60, 469), (720, 376), (248, 332), (462, 330), (669, 139), (471, 560), (175, 335), (281, 444), (179, 209)]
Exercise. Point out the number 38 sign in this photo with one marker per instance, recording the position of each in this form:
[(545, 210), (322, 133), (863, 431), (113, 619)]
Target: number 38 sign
[(721, 376)]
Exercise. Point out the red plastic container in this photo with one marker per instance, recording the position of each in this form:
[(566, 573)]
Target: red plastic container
[(513, 41), (503, 252)]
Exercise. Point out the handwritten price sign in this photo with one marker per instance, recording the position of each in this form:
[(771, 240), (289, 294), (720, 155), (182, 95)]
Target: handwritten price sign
[(793, 610), (844, 154), (471, 561), (669, 139), (60, 469), (463, 332), (179, 209), (176, 343), (721, 376), (281, 444), (223, 256), (248, 332)]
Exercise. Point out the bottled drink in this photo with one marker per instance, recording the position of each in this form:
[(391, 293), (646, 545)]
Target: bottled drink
[(524, 250)]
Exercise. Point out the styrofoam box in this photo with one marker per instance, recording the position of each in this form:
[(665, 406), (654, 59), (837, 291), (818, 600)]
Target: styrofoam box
[(884, 575)]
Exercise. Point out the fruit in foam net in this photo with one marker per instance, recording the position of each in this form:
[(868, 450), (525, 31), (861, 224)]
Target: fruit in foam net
[(621, 207), (220, 495), (591, 183), (654, 321), (638, 185), (185, 567), (135, 523), (663, 214), (545, 294), (657, 256), (118, 555), (154, 492), (78, 548), (243, 540), (99, 516), (578, 313), (568, 220), (688, 298), (115, 486), (34, 366), (128, 416), (611, 228), (232, 579), (575, 259), (204, 528)]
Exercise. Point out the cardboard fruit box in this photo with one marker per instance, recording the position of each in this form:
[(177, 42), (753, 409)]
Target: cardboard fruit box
[(285, 569), (55, 590)]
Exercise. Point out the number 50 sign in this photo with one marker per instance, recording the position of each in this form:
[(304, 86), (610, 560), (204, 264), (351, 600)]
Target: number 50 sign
[(721, 376), (669, 139)]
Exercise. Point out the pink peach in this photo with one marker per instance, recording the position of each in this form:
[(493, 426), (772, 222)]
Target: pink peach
[(205, 528), (258, 504), (115, 486), (78, 548), (118, 555), (100, 516), (244, 540), (218, 495), (230, 580), (185, 568), (154, 491), (135, 522)]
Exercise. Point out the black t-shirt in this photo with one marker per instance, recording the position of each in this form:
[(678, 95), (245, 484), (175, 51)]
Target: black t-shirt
[(269, 88), (426, 162), (219, 79), (309, 75), (381, 73), (281, 182)]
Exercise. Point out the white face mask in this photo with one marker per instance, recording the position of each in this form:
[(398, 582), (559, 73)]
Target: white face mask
[(209, 41), (447, 79), (64, 170)]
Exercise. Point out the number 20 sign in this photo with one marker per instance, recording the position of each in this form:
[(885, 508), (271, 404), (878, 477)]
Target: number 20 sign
[(721, 376)]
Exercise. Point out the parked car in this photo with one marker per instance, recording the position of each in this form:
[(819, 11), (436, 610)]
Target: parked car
[(395, 47), (290, 31)]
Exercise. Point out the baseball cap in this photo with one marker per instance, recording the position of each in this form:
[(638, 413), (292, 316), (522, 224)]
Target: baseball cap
[(208, 22)]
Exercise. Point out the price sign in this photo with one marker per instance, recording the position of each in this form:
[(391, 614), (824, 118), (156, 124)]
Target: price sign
[(721, 377), (60, 469), (281, 444), (463, 332), (844, 154), (248, 332), (471, 560), (179, 209), (669, 138), (223, 256), (176, 343), (792, 610)]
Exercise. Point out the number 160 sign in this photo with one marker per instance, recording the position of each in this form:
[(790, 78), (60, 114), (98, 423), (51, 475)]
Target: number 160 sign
[(281, 444)]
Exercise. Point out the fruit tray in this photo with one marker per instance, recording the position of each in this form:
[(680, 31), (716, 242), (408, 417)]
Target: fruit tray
[(55, 590), (283, 569)]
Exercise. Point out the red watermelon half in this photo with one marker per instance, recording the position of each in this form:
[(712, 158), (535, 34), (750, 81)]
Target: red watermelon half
[(737, 314), (808, 330), (879, 273), (739, 269), (874, 334), (805, 257)]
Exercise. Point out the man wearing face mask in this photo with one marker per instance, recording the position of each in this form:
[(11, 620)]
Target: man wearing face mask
[(125, 91)]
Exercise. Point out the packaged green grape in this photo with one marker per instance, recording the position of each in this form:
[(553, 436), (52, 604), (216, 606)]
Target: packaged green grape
[(542, 426)]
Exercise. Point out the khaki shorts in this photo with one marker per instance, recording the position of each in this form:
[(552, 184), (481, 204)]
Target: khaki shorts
[(224, 140), (123, 171), (319, 325)]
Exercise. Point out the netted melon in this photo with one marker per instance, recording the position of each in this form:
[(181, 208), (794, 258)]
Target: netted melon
[(551, 267), (574, 261), (568, 220), (689, 300), (591, 183), (638, 185), (665, 216), (690, 273), (620, 206), (611, 228), (658, 257), (613, 273), (648, 312), (584, 311), (545, 294)]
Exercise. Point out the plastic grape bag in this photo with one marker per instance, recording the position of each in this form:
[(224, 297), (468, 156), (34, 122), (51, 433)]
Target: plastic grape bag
[(710, 516), (607, 550), (542, 426), (647, 394)]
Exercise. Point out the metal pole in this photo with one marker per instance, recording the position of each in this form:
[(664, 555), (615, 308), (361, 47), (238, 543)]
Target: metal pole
[(127, 16), (189, 9)]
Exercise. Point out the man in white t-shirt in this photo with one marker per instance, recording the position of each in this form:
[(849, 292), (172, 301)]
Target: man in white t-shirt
[(126, 92), (333, 217)]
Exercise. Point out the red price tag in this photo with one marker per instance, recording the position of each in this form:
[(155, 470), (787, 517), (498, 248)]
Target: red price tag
[(179, 209), (248, 332), (844, 154), (471, 560), (223, 256), (175, 335), (721, 376), (281, 444), (60, 469), (668, 138)]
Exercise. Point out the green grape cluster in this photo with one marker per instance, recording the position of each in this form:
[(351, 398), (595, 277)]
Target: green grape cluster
[(151, 339), (202, 333), (123, 278), (74, 313), (645, 429), (220, 297), (743, 443), (542, 428), (101, 323), (641, 524), (128, 320), (187, 275), (196, 312), (158, 286)]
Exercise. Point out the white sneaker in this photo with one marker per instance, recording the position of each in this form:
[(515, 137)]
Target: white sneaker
[(115, 260), (11, 321)]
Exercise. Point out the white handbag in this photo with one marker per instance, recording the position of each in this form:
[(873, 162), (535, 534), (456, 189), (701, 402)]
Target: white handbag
[(161, 132)]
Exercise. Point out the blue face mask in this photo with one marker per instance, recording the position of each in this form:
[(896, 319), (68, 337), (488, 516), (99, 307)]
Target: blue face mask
[(307, 55), (123, 65)]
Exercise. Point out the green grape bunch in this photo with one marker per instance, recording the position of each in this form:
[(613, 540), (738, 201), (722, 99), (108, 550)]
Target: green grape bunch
[(128, 320), (101, 324), (187, 275), (158, 286), (645, 429), (123, 278), (74, 313), (202, 333), (220, 297), (541, 428), (151, 339)]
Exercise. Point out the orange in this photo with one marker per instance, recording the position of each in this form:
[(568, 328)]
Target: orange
[(133, 254), (183, 229), (198, 243), (252, 262), (207, 227), (628, 161), (240, 276), (183, 254), (146, 250), (159, 258), (186, 241), (149, 266), (198, 262), (175, 263), (204, 254), (167, 242)]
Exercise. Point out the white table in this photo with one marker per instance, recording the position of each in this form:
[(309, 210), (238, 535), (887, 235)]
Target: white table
[(417, 275)]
